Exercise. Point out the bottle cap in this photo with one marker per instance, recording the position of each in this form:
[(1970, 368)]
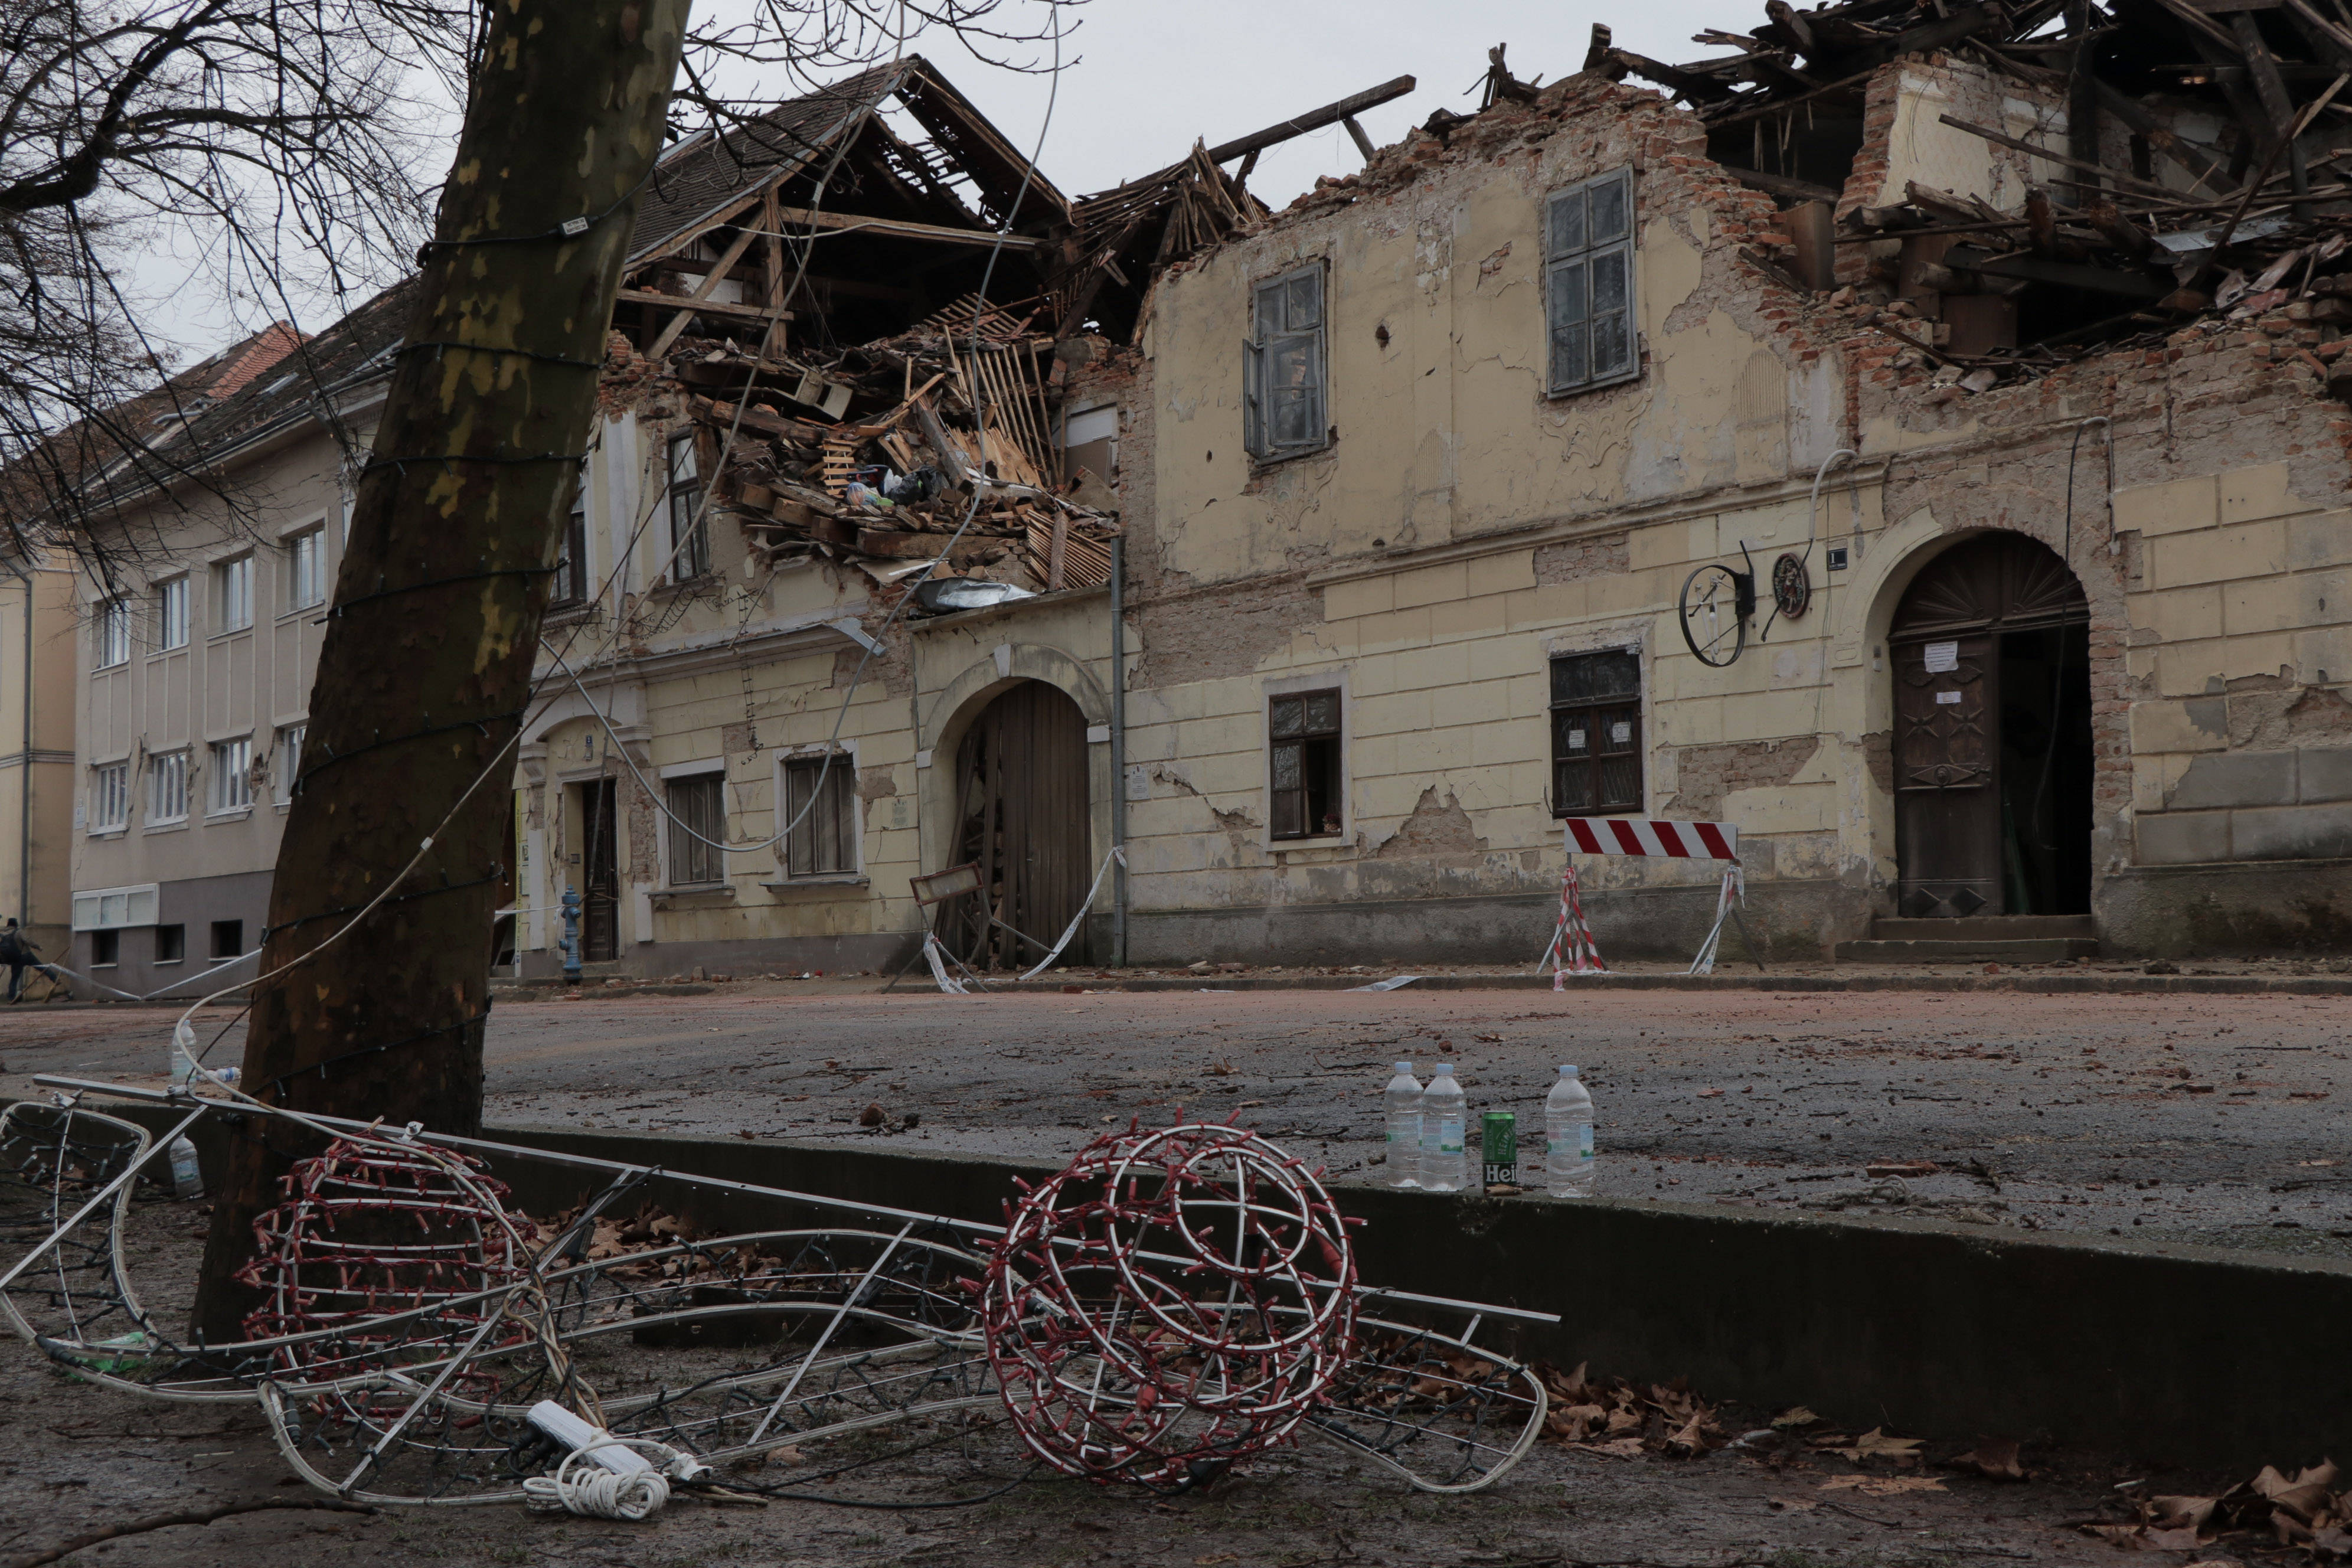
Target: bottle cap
[(1566, 1070), (1405, 1067), (1445, 1070)]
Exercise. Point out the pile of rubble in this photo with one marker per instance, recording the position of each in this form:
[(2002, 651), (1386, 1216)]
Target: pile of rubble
[(933, 445)]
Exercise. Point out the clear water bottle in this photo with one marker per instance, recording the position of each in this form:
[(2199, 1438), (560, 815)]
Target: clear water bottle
[(1568, 1137), (181, 1063), (1441, 1132), (1402, 1098), (187, 1176)]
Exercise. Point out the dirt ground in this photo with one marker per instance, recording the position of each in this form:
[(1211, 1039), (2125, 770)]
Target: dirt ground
[(76, 1458), (2207, 1120)]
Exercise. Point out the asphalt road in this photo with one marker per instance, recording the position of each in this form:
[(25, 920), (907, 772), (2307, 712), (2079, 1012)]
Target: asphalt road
[(2215, 1119)]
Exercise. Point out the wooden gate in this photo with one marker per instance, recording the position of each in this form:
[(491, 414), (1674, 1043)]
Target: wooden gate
[(1967, 768), (1021, 817), (600, 894)]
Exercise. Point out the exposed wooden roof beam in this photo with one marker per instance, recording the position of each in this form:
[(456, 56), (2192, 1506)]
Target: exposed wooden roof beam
[(1313, 120)]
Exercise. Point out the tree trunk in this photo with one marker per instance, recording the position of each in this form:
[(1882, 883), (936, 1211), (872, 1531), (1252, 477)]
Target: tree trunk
[(426, 664)]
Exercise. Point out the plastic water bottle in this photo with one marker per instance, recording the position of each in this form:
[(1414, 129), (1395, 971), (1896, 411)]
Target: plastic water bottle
[(1441, 1132), (1568, 1137), (1403, 1100), (181, 1062), (187, 1175)]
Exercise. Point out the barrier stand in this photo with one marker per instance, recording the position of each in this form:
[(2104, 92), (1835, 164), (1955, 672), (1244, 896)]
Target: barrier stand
[(1570, 933), (1657, 838)]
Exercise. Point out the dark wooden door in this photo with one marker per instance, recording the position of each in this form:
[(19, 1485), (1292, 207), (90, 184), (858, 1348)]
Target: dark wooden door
[(1946, 779), (1955, 822), (1021, 776), (600, 895)]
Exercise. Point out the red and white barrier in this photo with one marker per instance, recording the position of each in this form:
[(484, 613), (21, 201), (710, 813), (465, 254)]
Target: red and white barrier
[(1572, 950), (1648, 836)]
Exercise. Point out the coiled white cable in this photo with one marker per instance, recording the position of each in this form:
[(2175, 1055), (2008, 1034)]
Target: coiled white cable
[(600, 1493)]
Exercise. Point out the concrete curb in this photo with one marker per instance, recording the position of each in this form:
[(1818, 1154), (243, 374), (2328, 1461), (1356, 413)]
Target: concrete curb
[(2163, 1353), (2043, 985), (1927, 1327)]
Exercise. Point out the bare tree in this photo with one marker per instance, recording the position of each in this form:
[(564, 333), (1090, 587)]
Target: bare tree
[(278, 141)]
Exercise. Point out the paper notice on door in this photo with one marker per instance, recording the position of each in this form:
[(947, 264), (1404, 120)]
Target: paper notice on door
[(1943, 658), (1947, 699)]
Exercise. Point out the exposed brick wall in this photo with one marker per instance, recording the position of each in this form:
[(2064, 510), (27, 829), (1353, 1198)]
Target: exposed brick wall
[(1606, 555), (1704, 774)]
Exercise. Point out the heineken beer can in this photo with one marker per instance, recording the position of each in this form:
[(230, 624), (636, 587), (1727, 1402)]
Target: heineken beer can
[(1499, 1149)]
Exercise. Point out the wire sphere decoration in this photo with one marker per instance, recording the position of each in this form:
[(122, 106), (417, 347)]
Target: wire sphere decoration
[(381, 1256), (1170, 1304)]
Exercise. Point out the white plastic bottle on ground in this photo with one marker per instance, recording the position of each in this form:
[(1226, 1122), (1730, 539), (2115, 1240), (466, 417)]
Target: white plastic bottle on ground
[(1441, 1132), (1402, 1099), (187, 1176), (1568, 1137)]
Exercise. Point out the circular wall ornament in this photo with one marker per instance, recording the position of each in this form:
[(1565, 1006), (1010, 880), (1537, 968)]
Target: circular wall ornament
[(1792, 587)]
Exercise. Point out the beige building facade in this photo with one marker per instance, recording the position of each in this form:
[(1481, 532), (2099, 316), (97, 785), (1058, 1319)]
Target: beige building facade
[(1416, 475)]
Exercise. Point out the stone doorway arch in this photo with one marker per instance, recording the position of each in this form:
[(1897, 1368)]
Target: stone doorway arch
[(1993, 758)]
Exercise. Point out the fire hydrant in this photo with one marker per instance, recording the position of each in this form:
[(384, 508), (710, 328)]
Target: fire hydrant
[(572, 936)]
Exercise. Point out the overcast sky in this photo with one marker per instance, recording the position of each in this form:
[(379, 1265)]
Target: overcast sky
[(1148, 77)]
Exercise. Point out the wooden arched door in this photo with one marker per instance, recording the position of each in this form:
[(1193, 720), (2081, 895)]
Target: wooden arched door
[(1992, 733), (1022, 817)]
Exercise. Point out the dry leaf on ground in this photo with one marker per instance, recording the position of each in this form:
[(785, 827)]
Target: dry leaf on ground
[(1794, 1416), (1875, 1443), (1993, 1457), (1622, 1449), (1882, 1486)]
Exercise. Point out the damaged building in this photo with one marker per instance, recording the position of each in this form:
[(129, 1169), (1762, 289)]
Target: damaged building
[(1915, 434)]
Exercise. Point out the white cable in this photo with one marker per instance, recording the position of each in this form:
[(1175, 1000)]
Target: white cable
[(596, 1492)]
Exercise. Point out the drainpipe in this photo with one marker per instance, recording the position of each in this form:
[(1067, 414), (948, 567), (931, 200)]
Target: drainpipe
[(1119, 746), (25, 789)]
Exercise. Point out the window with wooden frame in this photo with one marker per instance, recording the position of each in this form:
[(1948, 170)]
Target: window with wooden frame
[(1303, 739), (689, 529), (698, 826), (1588, 283), (1282, 395), (571, 586), (1596, 734), (821, 804)]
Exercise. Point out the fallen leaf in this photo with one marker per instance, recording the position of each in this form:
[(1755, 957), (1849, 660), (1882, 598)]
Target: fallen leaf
[(2172, 1512), (1882, 1486), (1900, 1168), (1994, 1459), (1794, 1416), (1622, 1448), (1710, 1094), (1876, 1444)]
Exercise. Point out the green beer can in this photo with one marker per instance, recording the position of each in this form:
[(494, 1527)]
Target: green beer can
[(1498, 1145)]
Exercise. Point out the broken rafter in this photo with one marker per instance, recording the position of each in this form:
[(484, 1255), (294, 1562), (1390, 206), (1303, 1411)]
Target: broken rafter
[(1313, 120), (899, 228)]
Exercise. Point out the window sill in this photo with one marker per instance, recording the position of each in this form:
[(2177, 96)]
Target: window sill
[(1580, 388), (169, 962), (566, 614), (167, 652), (234, 814), (1270, 461), (825, 880), (685, 587), (1320, 841), (296, 612), (701, 896), (115, 832), (175, 825), (227, 632)]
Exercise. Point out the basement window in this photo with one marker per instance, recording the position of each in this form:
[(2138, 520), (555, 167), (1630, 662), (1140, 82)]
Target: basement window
[(1283, 381), (1588, 283), (1303, 735), (1596, 734)]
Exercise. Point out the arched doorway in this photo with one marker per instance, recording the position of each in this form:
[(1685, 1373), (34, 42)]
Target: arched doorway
[(1021, 817), (1990, 647)]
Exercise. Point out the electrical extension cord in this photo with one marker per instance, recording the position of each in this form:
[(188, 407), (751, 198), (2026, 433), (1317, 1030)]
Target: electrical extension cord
[(624, 1485)]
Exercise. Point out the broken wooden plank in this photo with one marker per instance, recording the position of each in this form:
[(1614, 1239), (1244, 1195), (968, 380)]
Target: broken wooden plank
[(1781, 185), (2001, 139), (702, 290), (1313, 120), (897, 229), (701, 308), (2065, 274)]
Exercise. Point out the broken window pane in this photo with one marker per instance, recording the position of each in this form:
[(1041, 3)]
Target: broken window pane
[(1286, 767), (1323, 713), (1613, 674), (1609, 215), (1288, 715), (1305, 772)]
